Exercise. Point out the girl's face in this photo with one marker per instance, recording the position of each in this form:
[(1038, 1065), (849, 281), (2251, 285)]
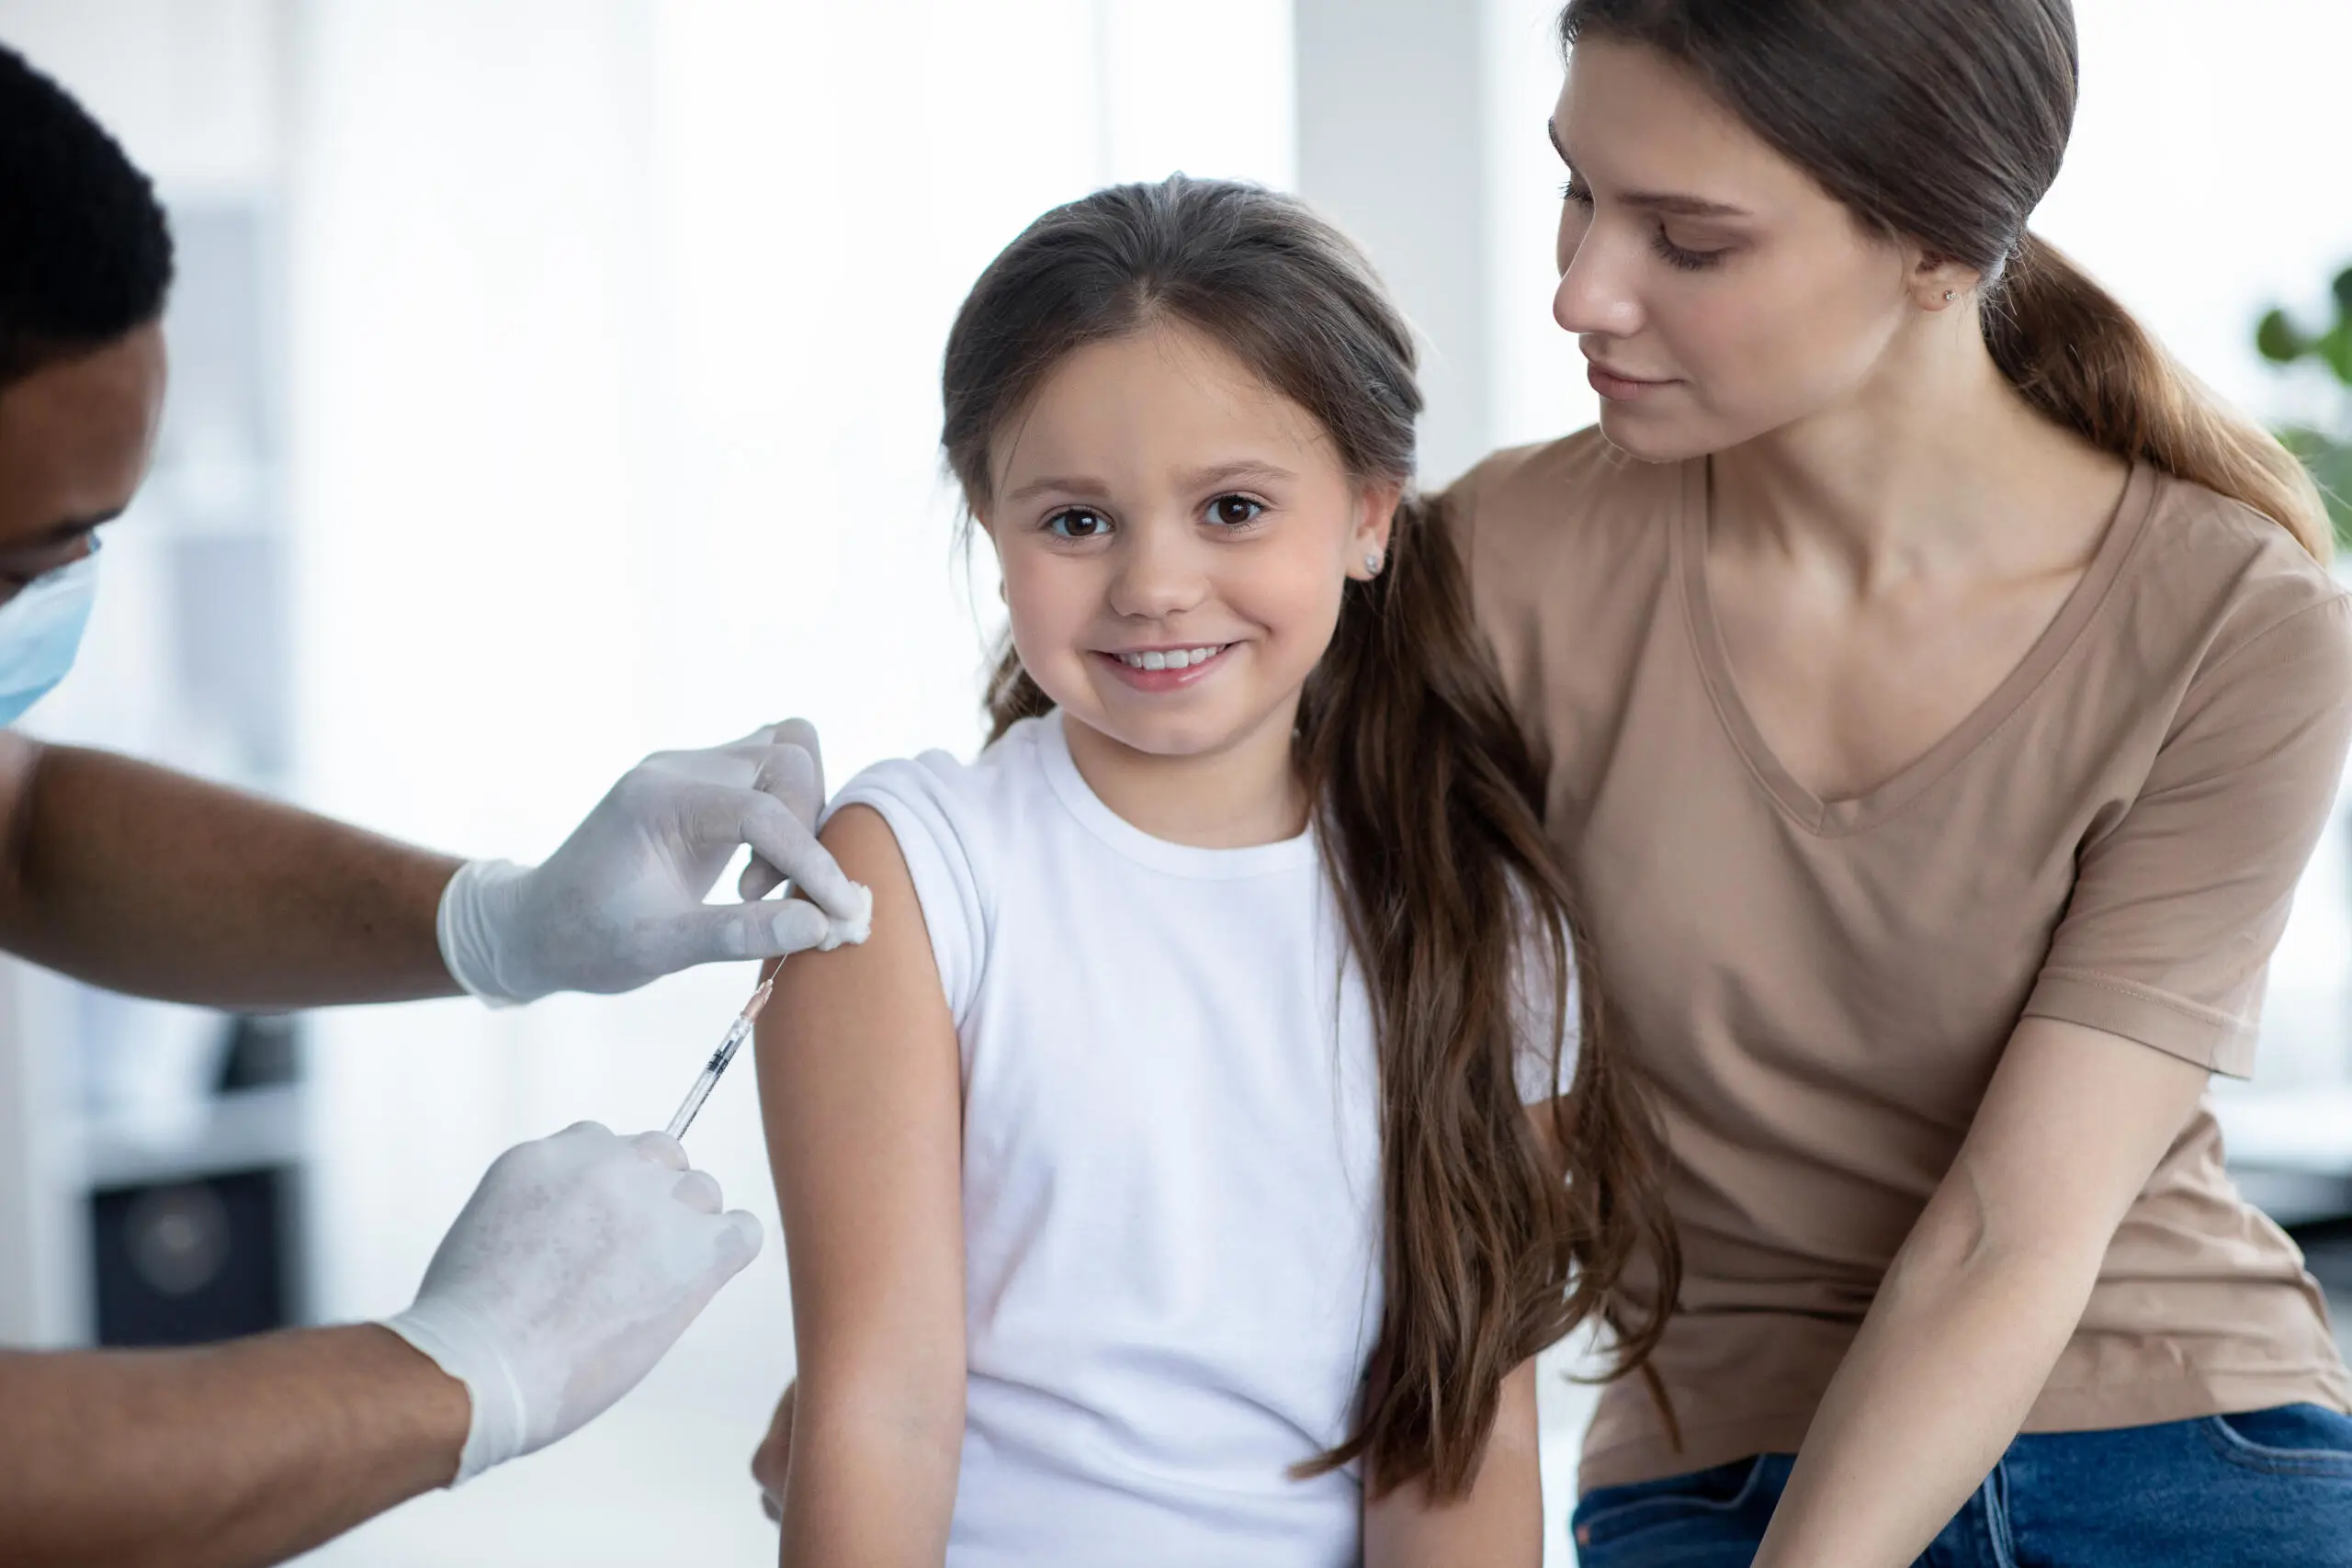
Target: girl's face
[(1716, 290), (1175, 537)]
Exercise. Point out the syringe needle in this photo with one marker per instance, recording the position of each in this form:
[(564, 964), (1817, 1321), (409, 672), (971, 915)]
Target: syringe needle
[(729, 1044)]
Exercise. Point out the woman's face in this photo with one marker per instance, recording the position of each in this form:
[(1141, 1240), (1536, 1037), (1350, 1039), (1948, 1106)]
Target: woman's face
[(1175, 537), (1718, 292)]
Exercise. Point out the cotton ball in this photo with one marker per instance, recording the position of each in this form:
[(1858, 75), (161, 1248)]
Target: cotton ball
[(857, 928)]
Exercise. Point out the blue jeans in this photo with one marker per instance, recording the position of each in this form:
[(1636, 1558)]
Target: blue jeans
[(2272, 1489)]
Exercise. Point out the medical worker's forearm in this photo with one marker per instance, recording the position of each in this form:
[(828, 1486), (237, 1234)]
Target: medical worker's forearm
[(225, 1457), (142, 880)]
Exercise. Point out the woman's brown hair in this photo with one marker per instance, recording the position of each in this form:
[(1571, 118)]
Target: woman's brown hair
[(1497, 1242), (1943, 122)]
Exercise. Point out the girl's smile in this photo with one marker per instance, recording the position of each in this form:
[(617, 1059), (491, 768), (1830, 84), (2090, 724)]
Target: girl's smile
[(1167, 669)]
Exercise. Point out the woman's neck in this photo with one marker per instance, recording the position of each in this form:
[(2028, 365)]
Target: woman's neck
[(1936, 462), (1242, 794)]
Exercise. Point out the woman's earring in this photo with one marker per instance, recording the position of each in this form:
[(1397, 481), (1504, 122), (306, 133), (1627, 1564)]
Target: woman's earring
[(1951, 293), (1371, 562)]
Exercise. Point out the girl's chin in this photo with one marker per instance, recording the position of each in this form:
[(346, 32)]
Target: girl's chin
[(1192, 725), (1167, 735)]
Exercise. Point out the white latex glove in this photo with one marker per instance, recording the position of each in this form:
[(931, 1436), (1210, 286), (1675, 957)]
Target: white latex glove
[(621, 902), (574, 1267)]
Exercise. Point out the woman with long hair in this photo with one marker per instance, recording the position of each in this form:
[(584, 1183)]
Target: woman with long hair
[(1191, 1164), (1942, 694)]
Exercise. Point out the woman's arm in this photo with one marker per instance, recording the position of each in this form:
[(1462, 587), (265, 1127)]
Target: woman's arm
[(861, 1088), (1499, 1525), (1983, 1297)]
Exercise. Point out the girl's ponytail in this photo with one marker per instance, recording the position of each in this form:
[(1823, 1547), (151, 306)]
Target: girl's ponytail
[(1501, 1238), (1013, 694), (2082, 359)]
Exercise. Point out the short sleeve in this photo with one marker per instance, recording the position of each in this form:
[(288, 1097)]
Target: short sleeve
[(2177, 907), (922, 802)]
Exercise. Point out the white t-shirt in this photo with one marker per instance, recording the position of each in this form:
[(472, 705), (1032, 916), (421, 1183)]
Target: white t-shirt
[(1171, 1187)]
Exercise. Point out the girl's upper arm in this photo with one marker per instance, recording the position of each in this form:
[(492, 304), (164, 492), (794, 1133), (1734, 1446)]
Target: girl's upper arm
[(1499, 1525), (861, 1090)]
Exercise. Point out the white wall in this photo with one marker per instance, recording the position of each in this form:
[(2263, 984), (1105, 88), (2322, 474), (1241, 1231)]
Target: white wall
[(1391, 104), (190, 88), (2208, 178)]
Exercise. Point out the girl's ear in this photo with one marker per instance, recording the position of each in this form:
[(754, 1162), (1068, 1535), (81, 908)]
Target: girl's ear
[(1375, 517)]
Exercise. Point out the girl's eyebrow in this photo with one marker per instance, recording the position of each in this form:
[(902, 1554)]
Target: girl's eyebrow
[(1225, 473), (1057, 484), (1195, 479)]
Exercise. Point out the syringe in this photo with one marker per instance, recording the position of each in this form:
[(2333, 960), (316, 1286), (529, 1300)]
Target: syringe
[(737, 1033)]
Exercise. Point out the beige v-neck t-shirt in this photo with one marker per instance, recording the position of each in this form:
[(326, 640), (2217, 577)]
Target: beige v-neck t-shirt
[(1821, 989)]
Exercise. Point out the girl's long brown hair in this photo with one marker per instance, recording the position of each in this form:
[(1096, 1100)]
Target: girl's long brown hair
[(1498, 1241), (1943, 122)]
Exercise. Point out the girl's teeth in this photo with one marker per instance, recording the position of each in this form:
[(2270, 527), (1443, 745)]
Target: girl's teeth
[(1182, 659)]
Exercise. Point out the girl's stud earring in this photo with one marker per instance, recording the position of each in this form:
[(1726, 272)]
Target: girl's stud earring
[(1949, 294), (1371, 562)]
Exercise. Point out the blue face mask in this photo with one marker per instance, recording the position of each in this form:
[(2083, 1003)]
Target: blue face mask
[(40, 631)]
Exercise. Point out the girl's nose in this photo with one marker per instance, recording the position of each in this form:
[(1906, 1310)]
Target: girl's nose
[(1160, 573)]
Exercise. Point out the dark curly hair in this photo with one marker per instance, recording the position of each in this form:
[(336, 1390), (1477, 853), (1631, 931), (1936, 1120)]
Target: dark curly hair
[(86, 252)]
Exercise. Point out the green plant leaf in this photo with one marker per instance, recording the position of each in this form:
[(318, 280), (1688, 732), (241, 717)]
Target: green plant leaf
[(2343, 288), (2279, 340), (2335, 350)]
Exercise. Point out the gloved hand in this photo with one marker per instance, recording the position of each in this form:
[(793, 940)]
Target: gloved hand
[(621, 902), (574, 1269)]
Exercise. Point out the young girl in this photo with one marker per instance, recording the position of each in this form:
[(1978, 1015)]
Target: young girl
[(1188, 1141)]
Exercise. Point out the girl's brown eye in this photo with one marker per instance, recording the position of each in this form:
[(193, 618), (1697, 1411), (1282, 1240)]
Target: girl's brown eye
[(1078, 523), (1235, 511)]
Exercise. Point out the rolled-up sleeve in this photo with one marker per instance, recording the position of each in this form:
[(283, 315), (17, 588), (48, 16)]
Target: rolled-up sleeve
[(2178, 906)]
